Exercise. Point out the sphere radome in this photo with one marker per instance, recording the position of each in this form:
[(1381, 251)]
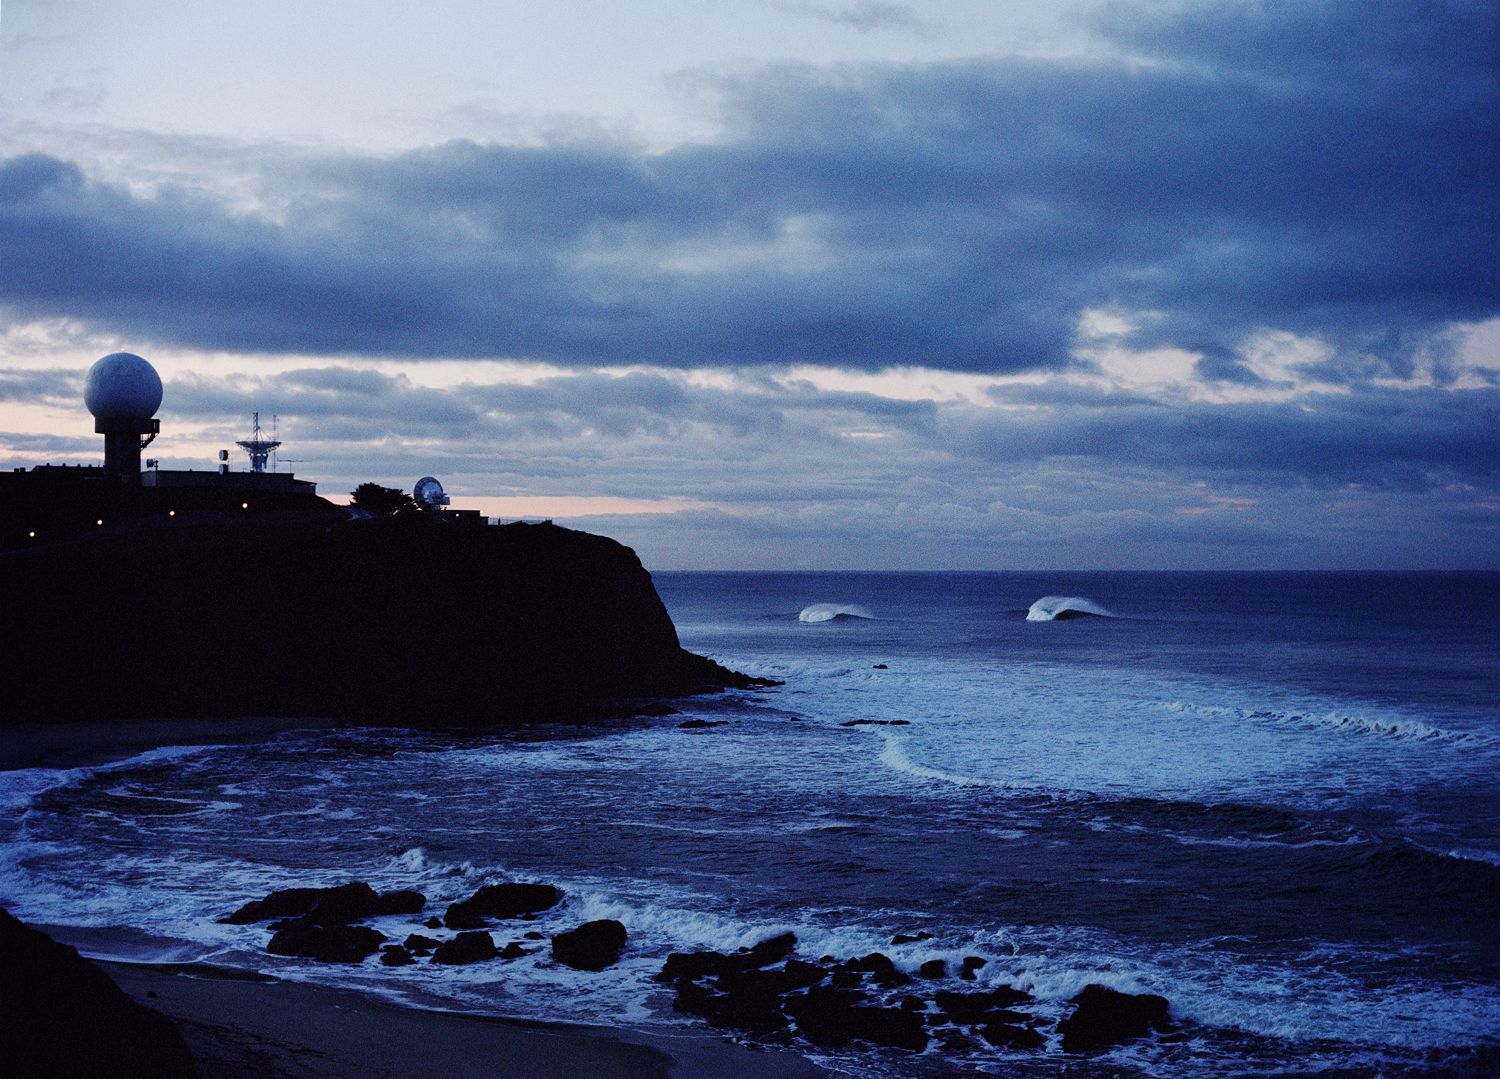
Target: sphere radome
[(122, 385)]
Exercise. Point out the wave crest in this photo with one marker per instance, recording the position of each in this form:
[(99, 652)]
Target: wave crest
[(827, 612), (1060, 608)]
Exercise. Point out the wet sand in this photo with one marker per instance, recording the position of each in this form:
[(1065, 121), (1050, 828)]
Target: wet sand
[(242, 1026)]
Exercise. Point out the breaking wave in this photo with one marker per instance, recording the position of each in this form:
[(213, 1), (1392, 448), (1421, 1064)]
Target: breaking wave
[(1060, 608), (827, 612)]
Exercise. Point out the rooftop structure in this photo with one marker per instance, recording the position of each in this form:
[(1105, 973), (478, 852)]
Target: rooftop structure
[(257, 447), (123, 392)]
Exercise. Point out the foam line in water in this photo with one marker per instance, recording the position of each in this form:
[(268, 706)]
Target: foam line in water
[(1061, 608), (828, 612), (894, 757)]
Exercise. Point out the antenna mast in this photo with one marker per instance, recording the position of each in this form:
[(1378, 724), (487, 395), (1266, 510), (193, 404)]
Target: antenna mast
[(258, 448)]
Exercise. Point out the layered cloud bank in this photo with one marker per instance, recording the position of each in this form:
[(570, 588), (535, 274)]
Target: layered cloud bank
[(1222, 294)]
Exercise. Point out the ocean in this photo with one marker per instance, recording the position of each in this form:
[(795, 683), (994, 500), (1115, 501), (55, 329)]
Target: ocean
[(1271, 798)]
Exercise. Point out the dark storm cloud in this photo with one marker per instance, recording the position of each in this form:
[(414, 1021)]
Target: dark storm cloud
[(771, 441), (52, 386), (1400, 439), (1325, 168)]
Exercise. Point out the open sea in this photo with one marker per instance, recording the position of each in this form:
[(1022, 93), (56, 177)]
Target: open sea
[(1274, 799)]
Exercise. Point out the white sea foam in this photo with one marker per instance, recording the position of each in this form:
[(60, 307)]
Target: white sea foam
[(827, 612), (1061, 608), (1401, 727)]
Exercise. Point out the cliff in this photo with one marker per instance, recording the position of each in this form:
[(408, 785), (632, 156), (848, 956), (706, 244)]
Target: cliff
[(298, 611)]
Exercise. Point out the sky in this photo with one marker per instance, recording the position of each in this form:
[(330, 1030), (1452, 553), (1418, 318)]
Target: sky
[(775, 285)]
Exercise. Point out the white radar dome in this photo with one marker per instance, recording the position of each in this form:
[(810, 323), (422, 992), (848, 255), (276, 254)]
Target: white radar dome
[(122, 385)]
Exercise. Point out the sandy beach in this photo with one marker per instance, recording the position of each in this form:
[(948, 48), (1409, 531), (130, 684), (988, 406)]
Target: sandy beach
[(243, 1027)]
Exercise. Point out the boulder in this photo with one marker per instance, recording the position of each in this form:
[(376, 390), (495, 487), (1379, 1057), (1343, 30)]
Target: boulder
[(973, 1007), (328, 906), (513, 950), (696, 965), (394, 955), (465, 948), (691, 965), (61, 1016), (1010, 1036), (1106, 1017), (500, 901), (327, 944), (934, 968), (419, 944), (834, 1017), (592, 946)]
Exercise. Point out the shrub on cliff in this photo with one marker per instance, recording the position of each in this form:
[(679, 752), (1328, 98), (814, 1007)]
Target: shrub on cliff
[(382, 501)]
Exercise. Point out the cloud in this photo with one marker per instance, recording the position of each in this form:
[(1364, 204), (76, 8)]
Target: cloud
[(32, 386), (867, 15), (1322, 169)]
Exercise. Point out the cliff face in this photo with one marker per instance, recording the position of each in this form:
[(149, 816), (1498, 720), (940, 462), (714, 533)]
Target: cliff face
[(395, 620)]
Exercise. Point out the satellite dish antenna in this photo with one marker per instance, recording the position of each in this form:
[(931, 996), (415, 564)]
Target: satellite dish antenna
[(429, 494)]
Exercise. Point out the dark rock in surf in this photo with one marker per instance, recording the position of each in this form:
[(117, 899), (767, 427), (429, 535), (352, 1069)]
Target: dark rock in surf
[(347, 903), (327, 944), (691, 966), (696, 965), (834, 1017), (394, 955), (465, 948), (513, 950), (749, 1000), (771, 950), (419, 944), (934, 968), (969, 1008), (1106, 1017), (592, 946), (970, 965), (61, 1017), (883, 972), (500, 901), (1009, 1036)]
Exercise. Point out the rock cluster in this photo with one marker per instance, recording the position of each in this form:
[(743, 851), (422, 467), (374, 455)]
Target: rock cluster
[(1106, 1017), (328, 906), (315, 925), (500, 901), (764, 991), (831, 1003)]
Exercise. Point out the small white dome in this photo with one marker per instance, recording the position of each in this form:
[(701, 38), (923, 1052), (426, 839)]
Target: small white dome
[(122, 385)]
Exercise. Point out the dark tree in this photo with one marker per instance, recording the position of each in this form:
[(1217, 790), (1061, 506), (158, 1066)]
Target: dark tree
[(382, 501)]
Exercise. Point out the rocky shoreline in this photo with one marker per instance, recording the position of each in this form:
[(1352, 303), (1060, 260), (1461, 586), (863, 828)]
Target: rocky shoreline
[(764, 993)]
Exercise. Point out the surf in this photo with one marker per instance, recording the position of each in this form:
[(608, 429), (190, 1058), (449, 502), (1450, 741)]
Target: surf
[(1062, 608), (829, 612)]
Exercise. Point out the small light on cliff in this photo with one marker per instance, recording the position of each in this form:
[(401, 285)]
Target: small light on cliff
[(171, 513), (32, 535), (99, 522), (244, 505)]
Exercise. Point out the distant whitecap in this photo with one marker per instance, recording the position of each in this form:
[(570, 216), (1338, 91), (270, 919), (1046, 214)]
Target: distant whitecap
[(827, 612), (1060, 608)]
